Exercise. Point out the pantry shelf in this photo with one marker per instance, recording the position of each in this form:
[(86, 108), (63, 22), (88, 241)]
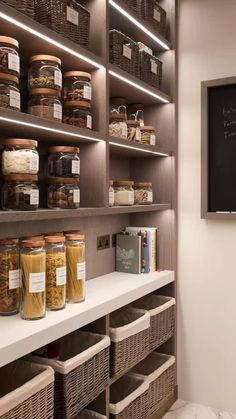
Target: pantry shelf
[(122, 147)]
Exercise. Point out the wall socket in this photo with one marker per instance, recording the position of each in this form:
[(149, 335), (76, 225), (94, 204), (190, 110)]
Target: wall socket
[(103, 242)]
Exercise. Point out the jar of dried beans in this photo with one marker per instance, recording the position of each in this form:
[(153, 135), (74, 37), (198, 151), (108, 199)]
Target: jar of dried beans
[(55, 272), (9, 276), (77, 86), (64, 161), (77, 113), (20, 156), (143, 194), (63, 193), (9, 56), (45, 103), (20, 193), (124, 192), (134, 133), (76, 268), (118, 126), (148, 135), (45, 72), (9, 92)]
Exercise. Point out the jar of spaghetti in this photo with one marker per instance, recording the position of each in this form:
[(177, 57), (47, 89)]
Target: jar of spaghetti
[(9, 92), (20, 156), (77, 86), (134, 133), (55, 272), (9, 276), (148, 135), (76, 268), (118, 126), (63, 192), (33, 266), (124, 192), (45, 103), (20, 193), (9, 56), (64, 161), (77, 113), (143, 194), (111, 194), (45, 72)]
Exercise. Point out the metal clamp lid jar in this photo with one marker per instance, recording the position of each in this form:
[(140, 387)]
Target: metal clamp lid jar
[(76, 268), (124, 192), (9, 56), (118, 126), (45, 103), (45, 72), (134, 133), (55, 272), (143, 194), (9, 276), (63, 192), (20, 156), (77, 86), (64, 161), (77, 113), (148, 135), (9, 92), (20, 192)]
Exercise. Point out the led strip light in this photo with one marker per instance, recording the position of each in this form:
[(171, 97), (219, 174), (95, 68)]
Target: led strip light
[(139, 149)]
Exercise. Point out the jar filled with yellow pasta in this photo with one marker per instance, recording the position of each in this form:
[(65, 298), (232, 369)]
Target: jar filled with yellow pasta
[(9, 276), (33, 266), (55, 272), (76, 268)]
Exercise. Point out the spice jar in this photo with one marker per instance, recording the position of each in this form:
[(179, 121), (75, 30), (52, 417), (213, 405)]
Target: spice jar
[(63, 192), (9, 92), (9, 56), (20, 193), (124, 192), (55, 272), (45, 72), (33, 266), (20, 156), (77, 113), (148, 135), (77, 86), (143, 194), (135, 112), (111, 194), (134, 133), (9, 276), (64, 161), (118, 106), (76, 268), (118, 126), (45, 103)]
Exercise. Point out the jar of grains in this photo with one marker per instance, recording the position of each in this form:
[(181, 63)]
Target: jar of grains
[(64, 161), (55, 272), (9, 56), (45, 103), (20, 156), (20, 193), (118, 106), (143, 194), (77, 86), (76, 268), (111, 194), (9, 92), (124, 192), (148, 135), (45, 72), (134, 133), (118, 126), (77, 113), (63, 192), (135, 111), (9, 276)]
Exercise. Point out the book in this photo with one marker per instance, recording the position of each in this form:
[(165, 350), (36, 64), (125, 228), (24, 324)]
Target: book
[(152, 244), (128, 253), (145, 245)]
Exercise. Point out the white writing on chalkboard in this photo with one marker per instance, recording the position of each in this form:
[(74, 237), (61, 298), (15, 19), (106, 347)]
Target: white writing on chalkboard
[(229, 121)]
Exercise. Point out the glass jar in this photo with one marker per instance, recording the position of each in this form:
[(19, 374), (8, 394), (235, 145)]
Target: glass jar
[(118, 126), (135, 112), (33, 267), (45, 72), (55, 272), (134, 133), (9, 92), (9, 56), (76, 268), (124, 192), (45, 103), (20, 193), (77, 86), (143, 194), (63, 193), (78, 113), (20, 156), (111, 194), (118, 106), (9, 276), (148, 135), (64, 161)]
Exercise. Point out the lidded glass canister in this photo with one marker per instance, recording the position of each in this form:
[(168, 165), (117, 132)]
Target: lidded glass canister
[(55, 272), (9, 276), (76, 268)]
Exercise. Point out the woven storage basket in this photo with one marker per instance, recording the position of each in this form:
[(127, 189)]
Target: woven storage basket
[(23, 6), (155, 16), (150, 69), (137, 5), (162, 312), (159, 369), (129, 333), (58, 15), (129, 398), (124, 52), (81, 373), (90, 414), (26, 391)]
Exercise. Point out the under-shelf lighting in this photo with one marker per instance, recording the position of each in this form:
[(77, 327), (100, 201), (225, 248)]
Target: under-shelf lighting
[(139, 149), (49, 40), (139, 25)]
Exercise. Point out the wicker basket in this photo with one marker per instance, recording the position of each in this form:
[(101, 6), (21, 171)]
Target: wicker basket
[(129, 398), (81, 373), (162, 312), (129, 333), (66, 17), (159, 369), (26, 391), (23, 6), (137, 6), (90, 414), (124, 53), (150, 69), (155, 16)]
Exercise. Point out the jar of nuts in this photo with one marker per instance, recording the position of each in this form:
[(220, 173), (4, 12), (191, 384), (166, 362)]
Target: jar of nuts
[(63, 193), (143, 194)]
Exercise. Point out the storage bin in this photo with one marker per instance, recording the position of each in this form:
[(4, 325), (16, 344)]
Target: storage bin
[(81, 372), (129, 333), (26, 391), (90, 414), (155, 15), (138, 6), (129, 398), (23, 6), (162, 312), (159, 369), (124, 52), (150, 69)]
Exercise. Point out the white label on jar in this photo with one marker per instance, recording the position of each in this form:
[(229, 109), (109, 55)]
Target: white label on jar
[(37, 282), (150, 196), (153, 67), (72, 16), (87, 92), (14, 279), (81, 270), (15, 99), (57, 111), (13, 62), (124, 130), (138, 135), (34, 162), (58, 78), (111, 198), (157, 15), (152, 139), (34, 197), (61, 276), (127, 52), (75, 169), (89, 121), (131, 197), (76, 196)]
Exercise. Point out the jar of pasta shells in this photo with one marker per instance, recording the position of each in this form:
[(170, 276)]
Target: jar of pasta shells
[(55, 272), (9, 276), (76, 268), (143, 194)]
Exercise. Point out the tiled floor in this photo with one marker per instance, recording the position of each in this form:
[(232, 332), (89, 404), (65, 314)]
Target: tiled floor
[(184, 410)]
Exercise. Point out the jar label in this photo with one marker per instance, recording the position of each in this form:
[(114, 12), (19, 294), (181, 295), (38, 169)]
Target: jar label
[(111, 198), (72, 16), (89, 121), (150, 196), (58, 78), (81, 270), (13, 62), (76, 196), (124, 130), (14, 279), (153, 67), (131, 197), (87, 92), (156, 15), (152, 139), (34, 162), (37, 282), (57, 111), (75, 169), (127, 52), (138, 135), (34, 197), (15, 99), (61, 276)]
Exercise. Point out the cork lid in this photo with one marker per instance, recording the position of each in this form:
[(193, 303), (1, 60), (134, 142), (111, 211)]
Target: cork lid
[(9, 77), (54, 239), (123, 183), (117, 117), (77, 74), (77, 104), (68, 232), (21, 142), (133, 122), (61, 234), (43, 91), (147, 184), (10, 41), (63, 149), (71, 237), (63, 181), (37, 238), (45, 58), (9, 241), (147, 128), (33, 243), (21, 178)]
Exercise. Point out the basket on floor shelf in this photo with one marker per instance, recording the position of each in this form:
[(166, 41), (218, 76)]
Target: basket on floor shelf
[(124, 52), (90, 414), (23, 6), (26, 391), (150, 69)]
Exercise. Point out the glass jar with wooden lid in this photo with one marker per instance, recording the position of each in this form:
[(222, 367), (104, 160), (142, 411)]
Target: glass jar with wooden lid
[(76, 268), (64, 161), (124, 192), (55, 272), (148, 135), (143, 194), (20, 193), (45, 103), (9, 56), (20, 156), (118, 126), (133, 130), (45, 72), (63, 193), (136, 112), (9, 92), (9, 277), (111, 194), (118, 106), (77, 113), (77, 86)]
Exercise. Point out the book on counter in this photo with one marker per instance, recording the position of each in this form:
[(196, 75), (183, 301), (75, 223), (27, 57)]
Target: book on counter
[(151, 234)]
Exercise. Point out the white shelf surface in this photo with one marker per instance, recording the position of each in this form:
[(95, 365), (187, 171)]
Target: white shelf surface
[(104, 295)]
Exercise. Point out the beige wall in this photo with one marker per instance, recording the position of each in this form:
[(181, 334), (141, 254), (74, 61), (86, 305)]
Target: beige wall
[(207, 249)]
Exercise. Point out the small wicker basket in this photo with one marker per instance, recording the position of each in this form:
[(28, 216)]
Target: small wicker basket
[(23, 6), (124, 52), (150, 69), (90, 414), (137, 6), (155, 15)]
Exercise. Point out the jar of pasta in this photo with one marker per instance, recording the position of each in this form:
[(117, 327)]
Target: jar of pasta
[(118, 126), (77, 86), (45, 72), (20, 156), (45, 103), (33, 266), (76, 268), (111, 194), (134, 133), (55, 272), (63, 192), (124, 192), (143, 194), (9, 56), (9, 276), (9, 92), (20, 193), (148, 135), (64, 161), (77, 113)]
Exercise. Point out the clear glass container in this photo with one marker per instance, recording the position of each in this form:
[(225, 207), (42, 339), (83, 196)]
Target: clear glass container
[(111, 194), (9, 92), (9, 56), (20, 156), (33, 292), (77, 86), (118, 106), (124, 192), (45, 103), (20, 193), (64, 161), (77, 113), (55, 272), (63, 193), (136, 112), (134, 133), (118, 126), (148, 135), (45, 72), (143, 194), (76, 268), (9, 277)]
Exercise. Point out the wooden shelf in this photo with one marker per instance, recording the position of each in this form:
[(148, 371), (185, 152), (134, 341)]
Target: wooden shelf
[(124, 147)]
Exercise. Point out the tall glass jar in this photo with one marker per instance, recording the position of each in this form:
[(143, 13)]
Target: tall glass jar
[(55, 272), (118, 126), (33, 266), (124, 192), (64, 161), (134, 133), (63, 193), (111, 194), (143, 194), (118, 106), (9, 92), (136, 112), (148, 135), (20, 193), (20, 156), (45, 103), (77, 113), (45, 72), (76, 268), (9, 276), (9, 56), (77, 86)]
